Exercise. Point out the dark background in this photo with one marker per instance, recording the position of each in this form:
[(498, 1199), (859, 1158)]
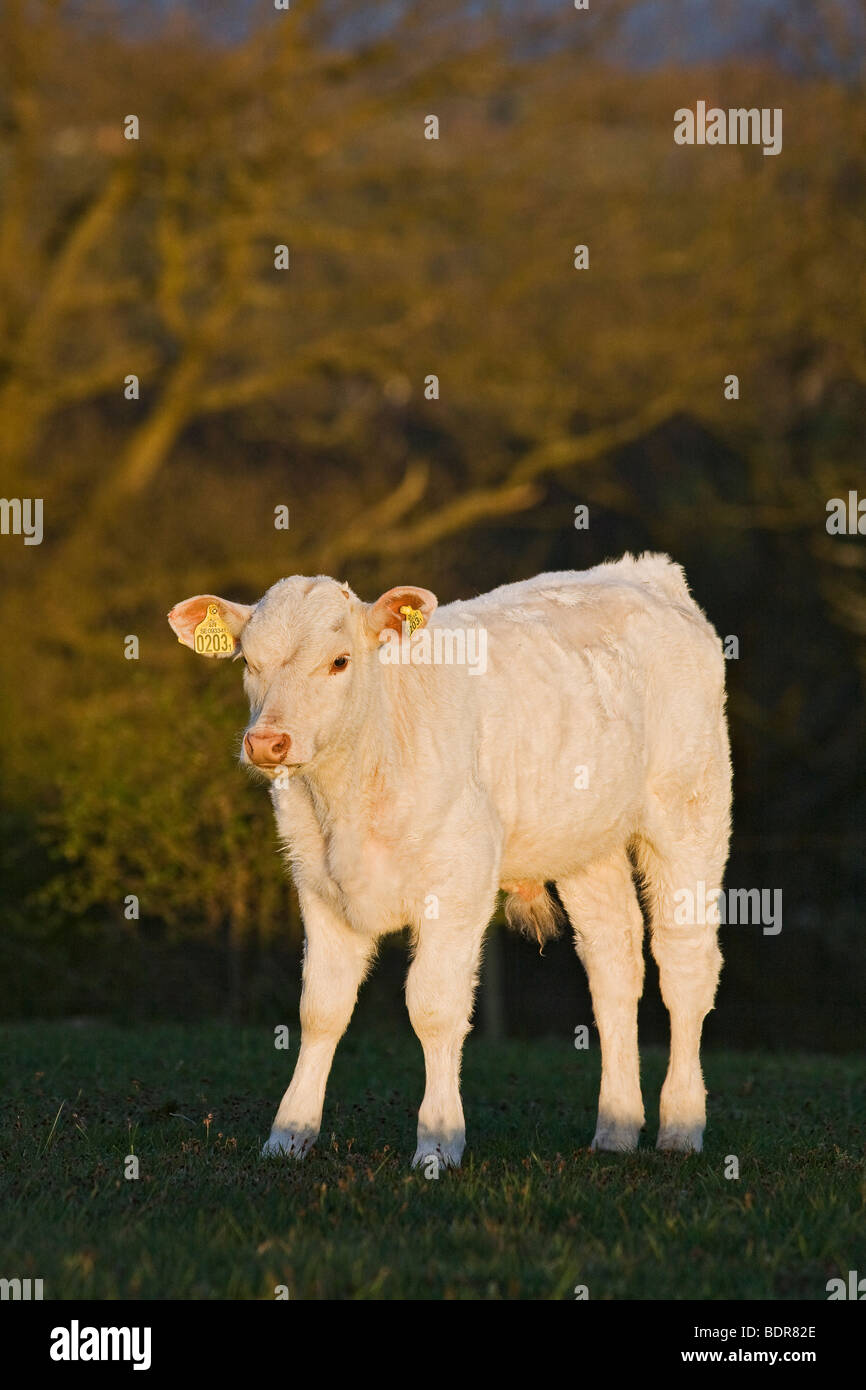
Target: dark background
[(305, 388)]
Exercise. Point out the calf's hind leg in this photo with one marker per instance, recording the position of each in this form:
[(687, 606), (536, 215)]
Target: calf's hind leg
[(608, 931), (689, 961)]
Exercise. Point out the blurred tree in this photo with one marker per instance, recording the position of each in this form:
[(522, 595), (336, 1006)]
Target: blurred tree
[(304, 387)]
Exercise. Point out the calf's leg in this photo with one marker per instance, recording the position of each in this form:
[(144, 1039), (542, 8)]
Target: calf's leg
[(608, 929), (689, 961), (440, 990), (336, 959)]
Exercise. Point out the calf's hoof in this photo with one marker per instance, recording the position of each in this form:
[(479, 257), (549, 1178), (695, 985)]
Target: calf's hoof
[(432, 1158), (616, 1139), (681, 1139), (287, 1143)]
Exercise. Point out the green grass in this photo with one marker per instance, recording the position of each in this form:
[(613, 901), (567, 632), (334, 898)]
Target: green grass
[(531, 1214)]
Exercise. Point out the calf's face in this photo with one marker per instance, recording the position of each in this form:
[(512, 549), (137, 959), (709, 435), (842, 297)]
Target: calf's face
[(309, 648)]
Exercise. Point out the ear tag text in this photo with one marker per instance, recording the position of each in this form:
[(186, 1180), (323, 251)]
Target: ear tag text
[(212, 637), (413, 617)]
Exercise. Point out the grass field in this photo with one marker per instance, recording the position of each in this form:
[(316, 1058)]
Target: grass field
[(531, 1215)]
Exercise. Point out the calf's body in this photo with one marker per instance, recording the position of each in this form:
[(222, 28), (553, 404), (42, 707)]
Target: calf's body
[(589, 740)]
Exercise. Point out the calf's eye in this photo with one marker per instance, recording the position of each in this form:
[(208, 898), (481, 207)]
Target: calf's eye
[(339, 663)]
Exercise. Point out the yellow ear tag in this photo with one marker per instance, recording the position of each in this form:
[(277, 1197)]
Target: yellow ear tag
[(212, 637), (413, 617)]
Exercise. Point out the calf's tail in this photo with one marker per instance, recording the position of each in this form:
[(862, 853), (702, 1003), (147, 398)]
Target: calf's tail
[(530, 908)]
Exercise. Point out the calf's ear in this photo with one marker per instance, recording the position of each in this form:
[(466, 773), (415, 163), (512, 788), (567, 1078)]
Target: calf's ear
[(385, 612), (209, 625)]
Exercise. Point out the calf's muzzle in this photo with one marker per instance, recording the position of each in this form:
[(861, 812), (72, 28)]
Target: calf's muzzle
[(266, 747)]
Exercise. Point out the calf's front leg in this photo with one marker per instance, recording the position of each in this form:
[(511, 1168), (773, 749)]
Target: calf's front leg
[(335, 962), (440, 989)]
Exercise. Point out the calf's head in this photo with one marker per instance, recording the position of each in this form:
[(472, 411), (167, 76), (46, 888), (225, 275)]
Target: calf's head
[(309, 648)]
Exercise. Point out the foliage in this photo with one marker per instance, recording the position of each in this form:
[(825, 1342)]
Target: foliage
[(305, 388)]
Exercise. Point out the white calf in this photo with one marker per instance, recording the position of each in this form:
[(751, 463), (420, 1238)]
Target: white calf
[(412, 779)]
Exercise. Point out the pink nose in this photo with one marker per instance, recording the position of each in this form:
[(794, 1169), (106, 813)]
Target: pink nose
[(266, 747)]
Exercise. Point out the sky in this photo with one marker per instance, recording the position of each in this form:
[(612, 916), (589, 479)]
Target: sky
[(654, 32)]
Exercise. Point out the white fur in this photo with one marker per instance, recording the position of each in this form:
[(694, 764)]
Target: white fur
[(416, 788)]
